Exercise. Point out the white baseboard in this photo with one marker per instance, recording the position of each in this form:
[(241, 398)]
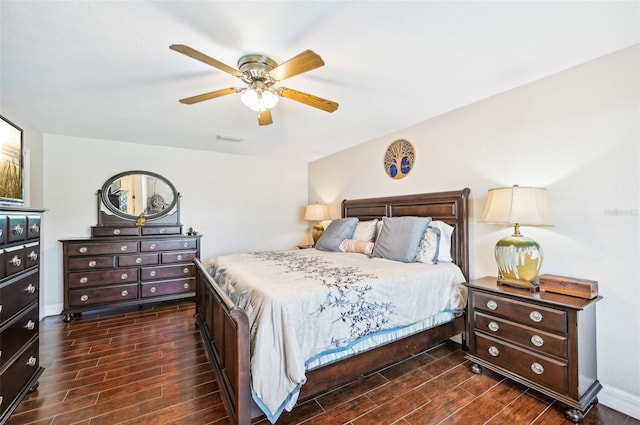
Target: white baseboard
[(622, 401), (50, 310)]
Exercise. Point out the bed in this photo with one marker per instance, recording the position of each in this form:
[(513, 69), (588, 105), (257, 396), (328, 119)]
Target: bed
[(224, 317)]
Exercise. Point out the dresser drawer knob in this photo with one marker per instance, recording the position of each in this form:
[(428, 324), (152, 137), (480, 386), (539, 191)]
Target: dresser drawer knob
[(152, 246), (116, 231), (84, 298), (83, 250), (493, 350), (123, 276), (18, 229), (493, 326), (123, 248), (152, 273), (537, 368), (186, 244), (16, 261), (162, 230), (0, 307), (30, 325), (536, 316), (33, 256), (185, 286), (30, 289), (537, 340), (153, 289), (492, 305), (179, 257), (32, 361), (124, 293), (84, 279), (1, 232), (92, 263), (138, 260), (185, 270), (35, 228)]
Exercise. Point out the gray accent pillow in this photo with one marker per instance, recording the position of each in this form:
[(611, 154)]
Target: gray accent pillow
[(337, 231), (400, 238)]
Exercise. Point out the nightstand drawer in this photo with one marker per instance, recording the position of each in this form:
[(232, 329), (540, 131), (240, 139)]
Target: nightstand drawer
[(525, 336), (536, 368), (525, 313)]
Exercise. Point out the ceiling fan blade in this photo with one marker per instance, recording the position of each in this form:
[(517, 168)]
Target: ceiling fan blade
[(305, 61), (308, 99), (206, 96), (193, 53), (264, 117)]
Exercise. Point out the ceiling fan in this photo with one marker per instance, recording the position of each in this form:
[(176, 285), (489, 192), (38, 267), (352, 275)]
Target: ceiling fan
[(261, 74)]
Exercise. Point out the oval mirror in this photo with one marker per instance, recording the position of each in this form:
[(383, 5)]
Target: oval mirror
[(132, 193)]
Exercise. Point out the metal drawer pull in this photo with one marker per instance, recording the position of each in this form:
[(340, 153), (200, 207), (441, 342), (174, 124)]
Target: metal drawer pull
[(124, 293), (123, 276), (153, 289), (35, 228), (32, 361), (18, 229), (152, 273), (116, 231), (185, 286), (84, 298), (162, 230), (152, 246), (123, 248), (92, 263), (33, 256), (179, 257), (493, 326), (0, 354), (186, 244), (138, 260), (493, 350), (0, 307), (83, 250), (1, 232), (16, 261), (537, 340), (492, 305), (84, 279), (536, 316), (185, 270), (30, 325), (537, 368), (30, 289)]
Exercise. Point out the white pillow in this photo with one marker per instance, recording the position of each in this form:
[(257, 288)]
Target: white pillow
[(444, 250), (365, 230), (428, 249)]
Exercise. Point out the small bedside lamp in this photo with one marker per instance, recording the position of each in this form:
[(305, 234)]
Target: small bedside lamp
[(316, 212), (518, 257)]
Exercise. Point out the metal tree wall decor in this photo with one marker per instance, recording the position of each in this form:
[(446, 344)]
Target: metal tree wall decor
[(399, 159)]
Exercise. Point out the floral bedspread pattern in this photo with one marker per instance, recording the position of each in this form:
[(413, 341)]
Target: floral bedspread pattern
[(304, 303)]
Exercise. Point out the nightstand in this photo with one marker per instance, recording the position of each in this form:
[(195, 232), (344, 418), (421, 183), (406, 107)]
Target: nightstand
[(543, 340)]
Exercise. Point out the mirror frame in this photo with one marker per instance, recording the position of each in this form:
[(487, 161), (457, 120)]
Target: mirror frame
[(107, 203)]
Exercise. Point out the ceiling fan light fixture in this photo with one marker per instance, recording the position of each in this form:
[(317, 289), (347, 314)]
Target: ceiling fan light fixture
[(259, 100)]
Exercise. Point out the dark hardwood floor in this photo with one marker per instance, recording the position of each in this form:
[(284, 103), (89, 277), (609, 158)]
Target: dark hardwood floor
[(148, 366)]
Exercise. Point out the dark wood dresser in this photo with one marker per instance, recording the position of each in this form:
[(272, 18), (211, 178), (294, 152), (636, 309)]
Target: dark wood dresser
[(19, 305), (106, 272), (543, 340)]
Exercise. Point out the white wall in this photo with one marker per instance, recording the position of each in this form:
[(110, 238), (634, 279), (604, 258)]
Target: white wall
[(237, 203), (577, 133)]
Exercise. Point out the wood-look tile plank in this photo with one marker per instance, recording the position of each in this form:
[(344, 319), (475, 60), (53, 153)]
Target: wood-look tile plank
[(440, 407), (350, 391), (344, 413), (392, 410)]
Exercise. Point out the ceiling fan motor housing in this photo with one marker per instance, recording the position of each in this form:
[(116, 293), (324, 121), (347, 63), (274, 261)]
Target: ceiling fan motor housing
[(256, 67)]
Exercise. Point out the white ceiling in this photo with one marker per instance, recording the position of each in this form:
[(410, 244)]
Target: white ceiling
[(103, 69)]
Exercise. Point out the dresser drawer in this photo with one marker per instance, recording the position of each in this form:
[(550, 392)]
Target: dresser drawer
[(169, 245), (32, 254), (542, 370), (115, 231), (102, 294), (3, 229), (107, 277), (530, 338), (13, 260), (137, 260), (17, 374), (16, 228), (18, 293), (96, 248), (166, 287), (525, 313), (33, 227), (18, 332), (88, 263), (166, 272), (178, 257), (161, 230)]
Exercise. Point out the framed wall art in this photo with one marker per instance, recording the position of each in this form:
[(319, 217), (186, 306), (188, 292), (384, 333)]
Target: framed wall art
[(11, 191), (399, 159)]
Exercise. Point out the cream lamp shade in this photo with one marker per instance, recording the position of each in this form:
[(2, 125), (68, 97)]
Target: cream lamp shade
[(519, 258), (316, 212)]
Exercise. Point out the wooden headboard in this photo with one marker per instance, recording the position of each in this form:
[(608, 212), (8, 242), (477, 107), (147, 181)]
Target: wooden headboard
[(450, 207)]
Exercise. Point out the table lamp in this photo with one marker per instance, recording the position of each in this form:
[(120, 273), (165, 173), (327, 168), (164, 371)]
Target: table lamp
[(518, 257), (316, 212)]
